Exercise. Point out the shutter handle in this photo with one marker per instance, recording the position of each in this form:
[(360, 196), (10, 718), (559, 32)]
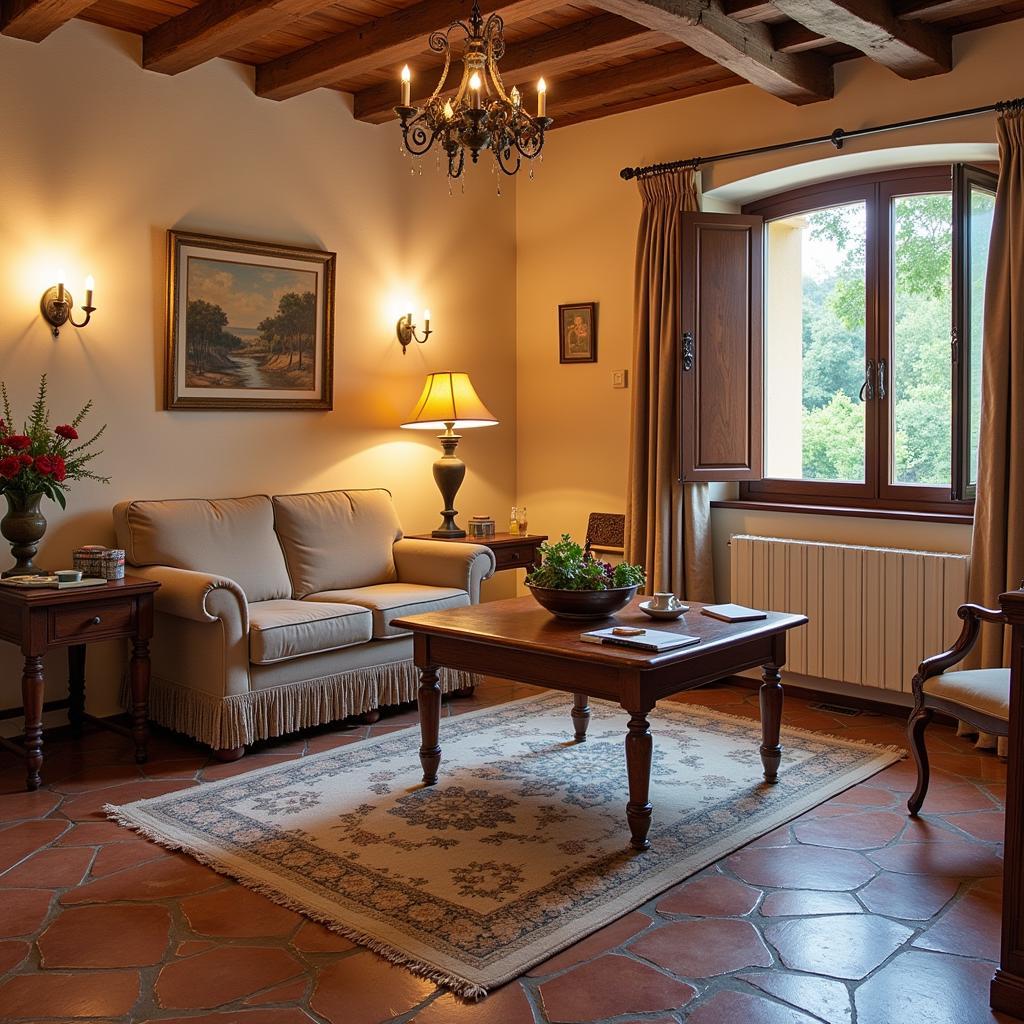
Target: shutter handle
[(868, 387), (881, 380), (688, 352)]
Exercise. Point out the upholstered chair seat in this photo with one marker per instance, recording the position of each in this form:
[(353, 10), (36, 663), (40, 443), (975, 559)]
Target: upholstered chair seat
[(985, 691)]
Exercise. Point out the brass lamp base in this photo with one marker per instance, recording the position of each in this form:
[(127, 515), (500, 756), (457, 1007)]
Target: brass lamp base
[(449, 472)]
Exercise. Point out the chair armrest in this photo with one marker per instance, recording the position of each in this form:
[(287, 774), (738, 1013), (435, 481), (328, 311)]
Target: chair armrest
[(199, 596), (438, 563), (973, 616)]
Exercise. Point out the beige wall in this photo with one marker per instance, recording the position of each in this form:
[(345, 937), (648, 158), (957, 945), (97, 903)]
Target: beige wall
[(100, 158), (575, 234)]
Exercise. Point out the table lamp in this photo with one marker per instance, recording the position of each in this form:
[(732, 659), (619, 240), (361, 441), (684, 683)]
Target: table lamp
[(449, 401)]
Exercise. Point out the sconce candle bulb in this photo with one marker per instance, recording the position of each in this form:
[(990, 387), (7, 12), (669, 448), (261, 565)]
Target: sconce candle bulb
[(57, 304), (406, 330)]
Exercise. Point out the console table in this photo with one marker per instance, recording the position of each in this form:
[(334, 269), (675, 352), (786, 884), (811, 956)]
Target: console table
[(511, 550), (41, 620), (1007, 992)]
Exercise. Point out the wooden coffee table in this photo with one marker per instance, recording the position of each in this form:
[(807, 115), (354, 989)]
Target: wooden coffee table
[(517, 639)]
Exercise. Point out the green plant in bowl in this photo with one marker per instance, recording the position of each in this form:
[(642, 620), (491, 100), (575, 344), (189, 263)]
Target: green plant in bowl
[(572, 584)]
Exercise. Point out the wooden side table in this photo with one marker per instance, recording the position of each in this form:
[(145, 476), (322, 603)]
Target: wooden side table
[(511, 551), (40, 620)]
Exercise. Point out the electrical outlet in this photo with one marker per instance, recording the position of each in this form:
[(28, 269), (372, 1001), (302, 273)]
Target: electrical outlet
[(619, 378)]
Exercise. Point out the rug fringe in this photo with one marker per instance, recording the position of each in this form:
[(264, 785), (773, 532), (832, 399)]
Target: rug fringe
[(460, 986)]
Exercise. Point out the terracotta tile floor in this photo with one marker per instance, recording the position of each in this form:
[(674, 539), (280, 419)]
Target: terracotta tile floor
[(852, 913)]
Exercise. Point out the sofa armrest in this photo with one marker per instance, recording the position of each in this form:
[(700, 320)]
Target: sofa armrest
[(199, 596), (438, 563)]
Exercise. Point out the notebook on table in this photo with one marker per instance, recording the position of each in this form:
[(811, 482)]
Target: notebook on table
[(652, 640), (733, 612)]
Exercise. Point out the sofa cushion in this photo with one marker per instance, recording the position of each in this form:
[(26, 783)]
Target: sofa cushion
[(232, 537), (389, 601), (279, 630), (986, 690), (334, 540)]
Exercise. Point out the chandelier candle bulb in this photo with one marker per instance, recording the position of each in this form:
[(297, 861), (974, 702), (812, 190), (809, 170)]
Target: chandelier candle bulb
[(542, 98), (406, 86), (474, 85)]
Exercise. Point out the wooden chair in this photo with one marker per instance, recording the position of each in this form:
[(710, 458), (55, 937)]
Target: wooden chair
[(980, 697)]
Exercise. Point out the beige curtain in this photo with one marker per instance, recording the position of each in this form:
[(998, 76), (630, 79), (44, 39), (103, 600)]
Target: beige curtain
[(997, 548), (668, 524)]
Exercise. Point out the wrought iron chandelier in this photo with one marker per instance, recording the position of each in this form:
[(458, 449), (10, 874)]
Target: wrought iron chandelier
[(480, 115)]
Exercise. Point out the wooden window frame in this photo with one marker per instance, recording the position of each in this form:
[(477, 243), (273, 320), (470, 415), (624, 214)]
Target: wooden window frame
[(876, 491)]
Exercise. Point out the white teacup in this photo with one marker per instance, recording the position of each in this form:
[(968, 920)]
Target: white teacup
[(663, 602)]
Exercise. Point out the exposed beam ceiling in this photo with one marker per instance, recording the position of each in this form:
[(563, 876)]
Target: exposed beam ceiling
[(575, 46), (612, 84), (215, 27), (910, 48), (34, 20), (746, 49), (386, 40)]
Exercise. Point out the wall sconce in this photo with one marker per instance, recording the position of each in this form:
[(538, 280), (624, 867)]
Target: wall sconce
[(57, 303), (406, 330)]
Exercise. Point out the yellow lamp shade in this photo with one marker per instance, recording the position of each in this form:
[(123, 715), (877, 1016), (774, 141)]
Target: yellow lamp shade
[(449, 398)]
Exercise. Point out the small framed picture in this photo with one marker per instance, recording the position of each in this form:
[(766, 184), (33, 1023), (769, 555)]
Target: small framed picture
[(250, 325), (577, 333)]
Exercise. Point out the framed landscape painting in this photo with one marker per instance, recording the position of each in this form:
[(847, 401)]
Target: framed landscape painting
[(250, 325), (577, 333)]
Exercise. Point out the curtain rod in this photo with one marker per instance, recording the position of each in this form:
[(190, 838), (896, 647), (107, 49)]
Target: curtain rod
[(837, 137)]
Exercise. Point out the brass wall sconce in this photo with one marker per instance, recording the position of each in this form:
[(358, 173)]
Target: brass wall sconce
[(57, 304), (406, 330)]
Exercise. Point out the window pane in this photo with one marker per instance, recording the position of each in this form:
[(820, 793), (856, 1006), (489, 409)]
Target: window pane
[(815, 345), (922, 303), (979, 233)]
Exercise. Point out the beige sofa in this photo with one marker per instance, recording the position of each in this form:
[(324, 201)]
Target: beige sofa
[(275, 614)]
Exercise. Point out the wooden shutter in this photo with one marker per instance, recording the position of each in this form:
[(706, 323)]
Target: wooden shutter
[(720, 352)]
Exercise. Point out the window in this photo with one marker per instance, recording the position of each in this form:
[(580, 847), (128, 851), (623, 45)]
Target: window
[(873, 302)]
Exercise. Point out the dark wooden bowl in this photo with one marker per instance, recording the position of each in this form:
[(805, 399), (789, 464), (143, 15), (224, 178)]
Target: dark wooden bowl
[(583, 604)]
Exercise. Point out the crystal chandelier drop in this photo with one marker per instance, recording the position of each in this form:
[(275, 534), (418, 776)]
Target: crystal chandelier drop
[(480, 115)]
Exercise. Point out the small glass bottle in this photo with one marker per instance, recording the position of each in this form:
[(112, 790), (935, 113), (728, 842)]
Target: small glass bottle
[(513, 522), (522, 520)]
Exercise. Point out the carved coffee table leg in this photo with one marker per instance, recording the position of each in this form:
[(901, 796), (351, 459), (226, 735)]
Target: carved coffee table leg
[(580, 715), (32, 699), (638, 767), (76, 688), (139, 674), (771, 721), (429, 696)]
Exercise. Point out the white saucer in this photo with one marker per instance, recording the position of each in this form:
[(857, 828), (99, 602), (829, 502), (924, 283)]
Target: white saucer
[(662, 613)]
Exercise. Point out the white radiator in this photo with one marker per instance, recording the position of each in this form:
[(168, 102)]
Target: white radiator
[(874, 613)]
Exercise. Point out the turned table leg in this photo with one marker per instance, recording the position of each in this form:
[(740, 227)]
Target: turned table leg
[(429, 696), (580, 715), (139, 676), (771, 721), (32, 685), (639, 747), (76, 688)]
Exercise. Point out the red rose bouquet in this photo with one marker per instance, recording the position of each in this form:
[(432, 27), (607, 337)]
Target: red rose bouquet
[(41, 460)]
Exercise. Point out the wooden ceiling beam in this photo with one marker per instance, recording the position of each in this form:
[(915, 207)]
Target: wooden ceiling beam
[(935, 10), (911, 49), (215, 27), (577, 45), (792, 37), (386, 40), (34, 20), (679, 67), (744, 48), (750, 10)]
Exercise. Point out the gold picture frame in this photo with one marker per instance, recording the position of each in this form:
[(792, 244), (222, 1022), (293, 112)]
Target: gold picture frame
[(250, 325)]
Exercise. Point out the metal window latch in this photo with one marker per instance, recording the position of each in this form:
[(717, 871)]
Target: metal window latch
[(881, 380), (688, 354), (955, 346), (867, 389)]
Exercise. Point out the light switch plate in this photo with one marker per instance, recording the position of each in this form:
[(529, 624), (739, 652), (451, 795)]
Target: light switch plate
[(620, 378)]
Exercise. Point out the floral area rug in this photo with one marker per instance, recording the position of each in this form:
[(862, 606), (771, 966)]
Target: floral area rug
[(522, 847)]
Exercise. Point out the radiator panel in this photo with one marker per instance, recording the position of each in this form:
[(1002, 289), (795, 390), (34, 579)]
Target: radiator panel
[(874, 613)]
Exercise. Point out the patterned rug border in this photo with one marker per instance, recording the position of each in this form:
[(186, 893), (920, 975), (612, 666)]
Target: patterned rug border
[(134, 816)]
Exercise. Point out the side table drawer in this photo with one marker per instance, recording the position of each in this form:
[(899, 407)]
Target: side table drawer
[(92, 621), (511, 557)]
